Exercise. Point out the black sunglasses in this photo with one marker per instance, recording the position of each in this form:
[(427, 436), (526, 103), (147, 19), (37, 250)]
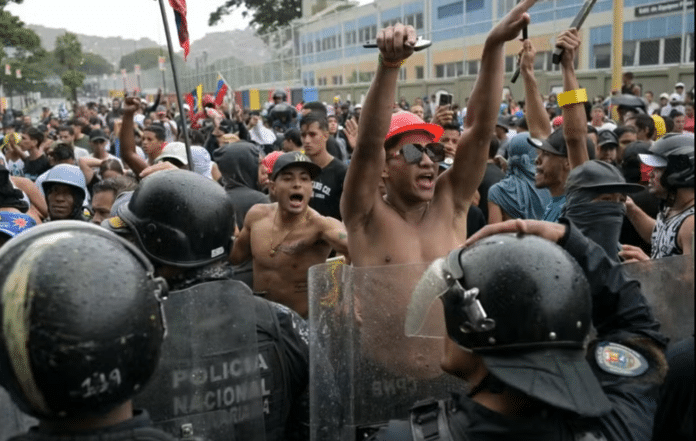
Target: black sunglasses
[(413, 153)]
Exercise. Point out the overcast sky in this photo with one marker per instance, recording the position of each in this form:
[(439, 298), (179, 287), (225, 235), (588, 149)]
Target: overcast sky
[(123, 18)]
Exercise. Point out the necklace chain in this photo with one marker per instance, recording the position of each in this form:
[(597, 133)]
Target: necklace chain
[(274, 249)]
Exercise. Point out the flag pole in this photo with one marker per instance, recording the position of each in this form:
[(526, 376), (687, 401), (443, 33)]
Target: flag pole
[(176, 86)]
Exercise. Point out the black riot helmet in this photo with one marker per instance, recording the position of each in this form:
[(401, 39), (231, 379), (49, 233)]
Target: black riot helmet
[(280, 94), (83, 323), (282, 115), (523, 304), (181, 218), (676, 154)]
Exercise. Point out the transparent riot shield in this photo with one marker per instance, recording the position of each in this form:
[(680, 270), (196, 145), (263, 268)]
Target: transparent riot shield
[(668, 285), (207, 385), (364, 369), (12, 420)]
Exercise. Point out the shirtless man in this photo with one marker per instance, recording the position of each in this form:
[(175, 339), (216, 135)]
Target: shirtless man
[(287, 237), (423, 215)]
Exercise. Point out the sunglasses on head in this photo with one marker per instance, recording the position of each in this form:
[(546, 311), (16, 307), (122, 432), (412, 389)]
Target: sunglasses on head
[(413, 153)]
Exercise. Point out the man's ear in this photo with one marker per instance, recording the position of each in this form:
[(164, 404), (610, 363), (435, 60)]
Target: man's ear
[(566, 164)]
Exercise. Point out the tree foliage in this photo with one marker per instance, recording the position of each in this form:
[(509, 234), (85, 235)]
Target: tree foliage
[(20, 47), (266, 15), (95, 64), (68, 53), (147, 59)]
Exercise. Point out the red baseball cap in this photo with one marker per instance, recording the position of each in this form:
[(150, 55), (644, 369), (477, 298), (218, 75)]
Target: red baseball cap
[(402, 122), (269, 160)]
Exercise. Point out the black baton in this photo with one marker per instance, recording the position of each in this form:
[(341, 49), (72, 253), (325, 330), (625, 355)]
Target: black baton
[(577, 22), (517, 72)]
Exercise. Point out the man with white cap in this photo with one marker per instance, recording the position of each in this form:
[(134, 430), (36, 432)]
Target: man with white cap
[(675, 102), (679, 89)]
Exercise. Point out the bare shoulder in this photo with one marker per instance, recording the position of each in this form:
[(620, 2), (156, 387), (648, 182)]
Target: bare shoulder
[(259, 212)]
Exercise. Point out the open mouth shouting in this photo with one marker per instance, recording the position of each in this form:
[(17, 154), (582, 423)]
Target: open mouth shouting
[(296, 200), (426, 181)]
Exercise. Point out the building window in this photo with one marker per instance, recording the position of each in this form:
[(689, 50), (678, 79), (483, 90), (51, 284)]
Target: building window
[(629, 53), (337, 80), (420, 72), (448, 70), (602, 56), (415, 20), (450, 10), (472, 67), (649, 53), (367, 33), (391, 22), (539, 61), (689, 49), (350, 38), (402, 74), (474, 5), (672, 50)]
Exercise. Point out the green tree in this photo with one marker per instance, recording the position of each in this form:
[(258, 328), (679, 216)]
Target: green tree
[(20, 47), (266, 15), (95, 64), (68, 54), (147, 59)]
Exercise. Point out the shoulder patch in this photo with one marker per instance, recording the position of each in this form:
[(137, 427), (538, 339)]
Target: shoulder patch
[(620, 360)]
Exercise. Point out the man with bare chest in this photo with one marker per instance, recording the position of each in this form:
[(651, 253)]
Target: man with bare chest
[(423, 215), (287, 237)]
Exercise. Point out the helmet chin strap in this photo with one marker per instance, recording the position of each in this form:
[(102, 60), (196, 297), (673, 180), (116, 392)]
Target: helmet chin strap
[(489, 383)]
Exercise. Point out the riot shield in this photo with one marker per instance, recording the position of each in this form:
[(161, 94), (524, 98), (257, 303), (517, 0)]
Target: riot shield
[(364, 369), (208, 383), (668, 285), (12, 420)]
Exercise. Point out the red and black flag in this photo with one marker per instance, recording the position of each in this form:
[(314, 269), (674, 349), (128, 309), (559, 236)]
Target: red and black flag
[(181, 25)]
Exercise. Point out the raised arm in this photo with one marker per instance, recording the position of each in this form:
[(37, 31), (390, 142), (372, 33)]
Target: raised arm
[(574, 116), (334, 232), (364, 173), (469, 166), (537, 118), (128, 153)]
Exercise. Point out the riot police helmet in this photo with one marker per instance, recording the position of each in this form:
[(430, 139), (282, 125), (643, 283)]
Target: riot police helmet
[(180, 218), (676, 154), (523, 304), (83, 322)]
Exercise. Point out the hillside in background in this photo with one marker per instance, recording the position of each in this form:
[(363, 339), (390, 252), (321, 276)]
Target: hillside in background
[(242, 44)]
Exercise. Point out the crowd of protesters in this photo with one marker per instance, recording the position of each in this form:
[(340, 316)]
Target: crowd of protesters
[(306, 182)]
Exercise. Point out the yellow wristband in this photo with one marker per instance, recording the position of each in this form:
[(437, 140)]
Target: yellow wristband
[(380, 60), (576, 96)]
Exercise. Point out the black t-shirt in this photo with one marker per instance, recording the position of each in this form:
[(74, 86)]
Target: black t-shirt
[(492, 176), (474, 220), (34, 168), (328, 187)]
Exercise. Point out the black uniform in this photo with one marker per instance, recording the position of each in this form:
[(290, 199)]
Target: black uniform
[(138, 428), (620, 314), (283, 347)]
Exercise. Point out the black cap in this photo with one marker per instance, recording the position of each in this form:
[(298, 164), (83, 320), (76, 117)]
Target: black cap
[(295, 159), (608, 139), (599, 176), (554, 144), (96, 135)]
